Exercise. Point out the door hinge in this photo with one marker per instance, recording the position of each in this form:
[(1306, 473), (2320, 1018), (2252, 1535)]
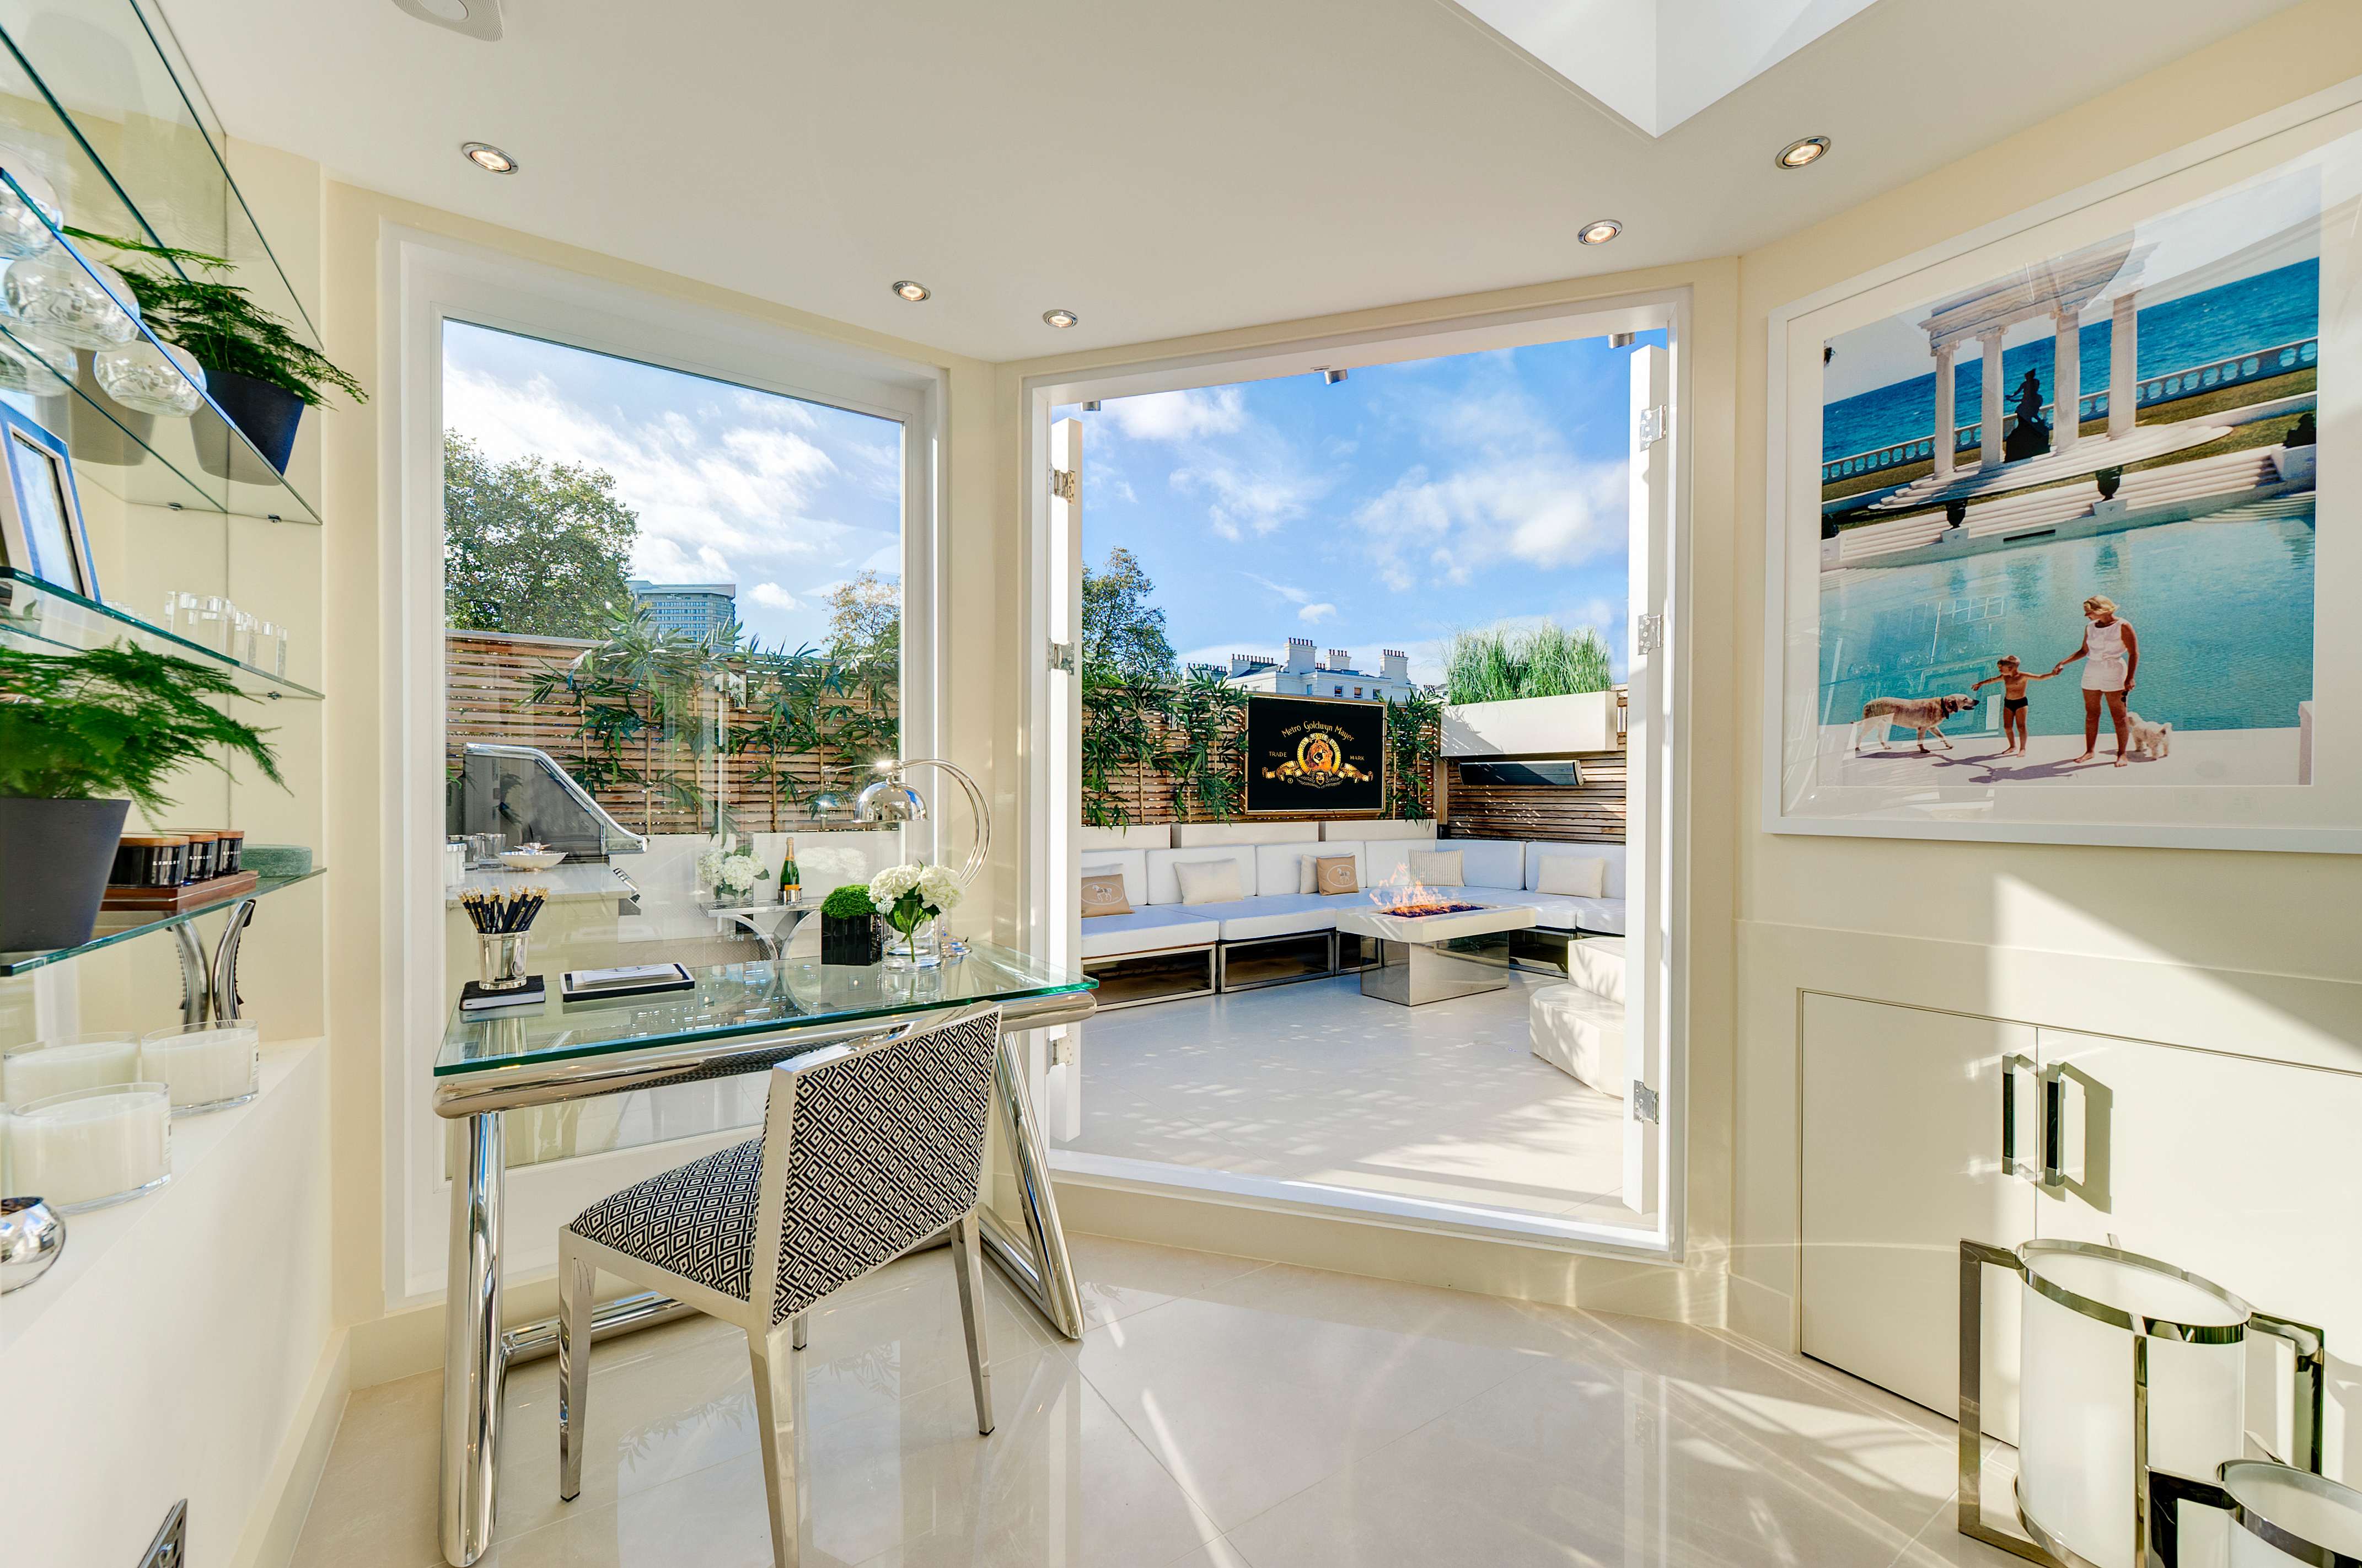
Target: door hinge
[(1066, 484), (1649, 633), (1654, 422), (1644, 1103), (1065, 1050), (1062, 656)]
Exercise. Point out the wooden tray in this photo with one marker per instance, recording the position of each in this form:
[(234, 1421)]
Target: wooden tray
[(171, 900)]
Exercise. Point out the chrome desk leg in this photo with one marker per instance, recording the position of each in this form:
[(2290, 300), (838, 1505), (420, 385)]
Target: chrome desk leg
[(196, 980), (225, 1003), (471, 1340), (1037, 1264)]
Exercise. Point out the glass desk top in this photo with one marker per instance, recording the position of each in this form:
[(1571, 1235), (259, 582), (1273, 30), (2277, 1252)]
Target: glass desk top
[(735, 999)]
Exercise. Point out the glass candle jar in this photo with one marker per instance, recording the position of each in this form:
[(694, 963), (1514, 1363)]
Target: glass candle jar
[(229, 851), (208, 1066), (203, 843), (150, 860), (92, 1147), (48, 1067)]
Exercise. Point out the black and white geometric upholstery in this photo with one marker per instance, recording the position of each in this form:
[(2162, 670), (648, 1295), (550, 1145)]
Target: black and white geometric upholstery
[(886, 1148), (696, 1221)]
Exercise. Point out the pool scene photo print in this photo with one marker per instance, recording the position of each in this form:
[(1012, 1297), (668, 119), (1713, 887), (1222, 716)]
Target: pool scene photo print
[(2046, 516)]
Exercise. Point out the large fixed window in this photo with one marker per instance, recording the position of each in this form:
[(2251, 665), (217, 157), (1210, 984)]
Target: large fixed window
[(686, 556)]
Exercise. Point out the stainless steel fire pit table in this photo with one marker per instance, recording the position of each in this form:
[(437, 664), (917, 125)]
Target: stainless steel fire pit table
[(1415, 966)]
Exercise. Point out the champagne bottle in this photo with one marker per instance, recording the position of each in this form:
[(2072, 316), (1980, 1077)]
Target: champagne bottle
[(792, 881)]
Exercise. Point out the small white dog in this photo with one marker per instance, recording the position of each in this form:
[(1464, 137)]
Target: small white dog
[(2152, 740)]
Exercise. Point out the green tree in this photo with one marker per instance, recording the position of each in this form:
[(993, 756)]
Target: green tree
[(865, 622), (1122, 632), (530, 547)]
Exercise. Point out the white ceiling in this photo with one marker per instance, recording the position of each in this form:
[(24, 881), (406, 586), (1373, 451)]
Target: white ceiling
[(1159, 170)]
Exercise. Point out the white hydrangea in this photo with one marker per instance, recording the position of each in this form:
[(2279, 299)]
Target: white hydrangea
[(938, 892), (739, 872)]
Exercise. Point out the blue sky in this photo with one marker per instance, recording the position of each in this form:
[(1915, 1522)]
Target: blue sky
[(784, 498), (1388, 511), (1405, 502)]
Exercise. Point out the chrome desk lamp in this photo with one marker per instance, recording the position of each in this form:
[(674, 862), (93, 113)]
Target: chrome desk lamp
[(887, 799)]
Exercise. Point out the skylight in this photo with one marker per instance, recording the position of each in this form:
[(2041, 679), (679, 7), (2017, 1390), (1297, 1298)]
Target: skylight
[(1657, 62)]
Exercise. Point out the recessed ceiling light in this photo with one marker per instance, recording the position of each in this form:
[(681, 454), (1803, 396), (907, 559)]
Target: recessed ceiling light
[(912, 292), (1060, 317), (1796, 154), (484, 155), (1599, 231)]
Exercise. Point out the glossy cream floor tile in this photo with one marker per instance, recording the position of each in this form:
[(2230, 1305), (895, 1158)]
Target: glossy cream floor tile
[(1219, 1413), (1315, 1082)]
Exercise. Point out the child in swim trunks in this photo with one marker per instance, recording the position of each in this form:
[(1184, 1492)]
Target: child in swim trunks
[(2012, 678)]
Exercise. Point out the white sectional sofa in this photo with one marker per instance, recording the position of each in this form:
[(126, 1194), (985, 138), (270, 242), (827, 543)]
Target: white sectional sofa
[(1274, 933)]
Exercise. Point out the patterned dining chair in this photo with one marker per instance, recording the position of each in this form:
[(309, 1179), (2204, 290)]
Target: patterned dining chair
[(866, 1152)]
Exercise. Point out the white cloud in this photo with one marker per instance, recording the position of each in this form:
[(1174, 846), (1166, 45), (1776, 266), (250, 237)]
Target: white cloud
[(1313, 614), (771, 596), (1293, 595), (1545, 511), (1177, 415)]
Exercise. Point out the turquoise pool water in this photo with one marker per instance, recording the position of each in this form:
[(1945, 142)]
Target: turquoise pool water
[(2222, 607)]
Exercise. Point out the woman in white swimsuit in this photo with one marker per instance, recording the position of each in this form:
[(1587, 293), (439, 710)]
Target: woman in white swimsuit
[(2112, 657)]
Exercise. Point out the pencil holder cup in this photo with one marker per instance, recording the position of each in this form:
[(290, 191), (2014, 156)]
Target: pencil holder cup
[(503, 961)]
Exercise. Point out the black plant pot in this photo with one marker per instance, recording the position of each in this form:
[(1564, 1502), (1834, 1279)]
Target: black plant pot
[(849, 940), (267, 413), (54, 857)]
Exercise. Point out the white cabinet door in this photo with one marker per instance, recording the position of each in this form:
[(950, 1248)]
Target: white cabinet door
[(1902, 1139), (2242, 1171)]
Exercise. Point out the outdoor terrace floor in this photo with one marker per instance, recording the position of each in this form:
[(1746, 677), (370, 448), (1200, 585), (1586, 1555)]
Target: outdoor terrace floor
[(1315, 1082)]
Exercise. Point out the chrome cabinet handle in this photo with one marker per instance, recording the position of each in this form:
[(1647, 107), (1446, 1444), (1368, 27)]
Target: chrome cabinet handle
[(2010, 1164)]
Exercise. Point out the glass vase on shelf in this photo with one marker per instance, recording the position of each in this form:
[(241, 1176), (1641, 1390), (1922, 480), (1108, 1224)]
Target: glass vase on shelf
[(918, 945)]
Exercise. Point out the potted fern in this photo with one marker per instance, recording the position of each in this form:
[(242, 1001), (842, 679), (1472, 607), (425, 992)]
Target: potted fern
[(82, 736), (259, 373)]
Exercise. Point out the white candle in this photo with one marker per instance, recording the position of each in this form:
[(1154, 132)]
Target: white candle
[(207, 1065), (49, 1068), (79, 1150)]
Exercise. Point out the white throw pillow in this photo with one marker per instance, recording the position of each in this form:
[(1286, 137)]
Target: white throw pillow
[(1573, 877), (1436, 868), (1308, 880), (1208, 881)]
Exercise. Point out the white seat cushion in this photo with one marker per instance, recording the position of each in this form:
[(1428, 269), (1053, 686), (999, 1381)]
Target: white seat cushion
[(1147, 931), (1488, 862), (1549, 910), (1164, 886), (1278, 915), (1599, 914), (1282, 867), (1133, 863)]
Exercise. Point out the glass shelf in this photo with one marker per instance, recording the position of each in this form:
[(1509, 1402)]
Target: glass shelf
[(122, 926), (159, 181), (45, 618)]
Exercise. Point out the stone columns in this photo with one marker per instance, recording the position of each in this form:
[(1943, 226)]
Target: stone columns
[(2123, 367), (2067, 382), (1989, 452), (1947, 416)]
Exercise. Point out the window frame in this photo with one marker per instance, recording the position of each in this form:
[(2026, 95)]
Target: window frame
[(428, 279)]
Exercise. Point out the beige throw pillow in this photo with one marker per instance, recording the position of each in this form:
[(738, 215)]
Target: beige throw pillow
[(1103, 894), (1334, 874), (1208, 881), (1307, 881), (1573, 877), (1436, 867)]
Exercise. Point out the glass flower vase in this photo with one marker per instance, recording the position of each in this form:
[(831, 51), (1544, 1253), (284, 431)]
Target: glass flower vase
[(921, 947)]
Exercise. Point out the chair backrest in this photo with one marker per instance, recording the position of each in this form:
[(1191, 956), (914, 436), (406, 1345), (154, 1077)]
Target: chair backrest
[(1165, 885), (869, 1152), (1131, 862)]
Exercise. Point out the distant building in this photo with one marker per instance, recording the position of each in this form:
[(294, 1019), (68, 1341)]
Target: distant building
[(1302, 675), (694, 608)]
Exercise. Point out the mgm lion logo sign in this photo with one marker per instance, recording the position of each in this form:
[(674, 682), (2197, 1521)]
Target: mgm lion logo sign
[(1307, 754)]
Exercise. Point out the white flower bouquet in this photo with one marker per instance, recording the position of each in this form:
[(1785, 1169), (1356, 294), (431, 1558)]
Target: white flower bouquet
[(733, 872), (908, 897)]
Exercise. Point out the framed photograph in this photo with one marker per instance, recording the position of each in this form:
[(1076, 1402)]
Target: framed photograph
[(2045, 562), (1316, 755), (41, 528)]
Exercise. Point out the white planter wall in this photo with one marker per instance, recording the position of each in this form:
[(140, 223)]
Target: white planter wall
[(1529, 726)]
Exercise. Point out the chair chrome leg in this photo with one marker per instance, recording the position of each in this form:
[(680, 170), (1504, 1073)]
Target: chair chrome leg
[(799, 1329), (967, 1258), (576, 1277), (776, 1376)]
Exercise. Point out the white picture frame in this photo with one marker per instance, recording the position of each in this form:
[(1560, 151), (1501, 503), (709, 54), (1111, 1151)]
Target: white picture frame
[(1813, 783), (41, 528)]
